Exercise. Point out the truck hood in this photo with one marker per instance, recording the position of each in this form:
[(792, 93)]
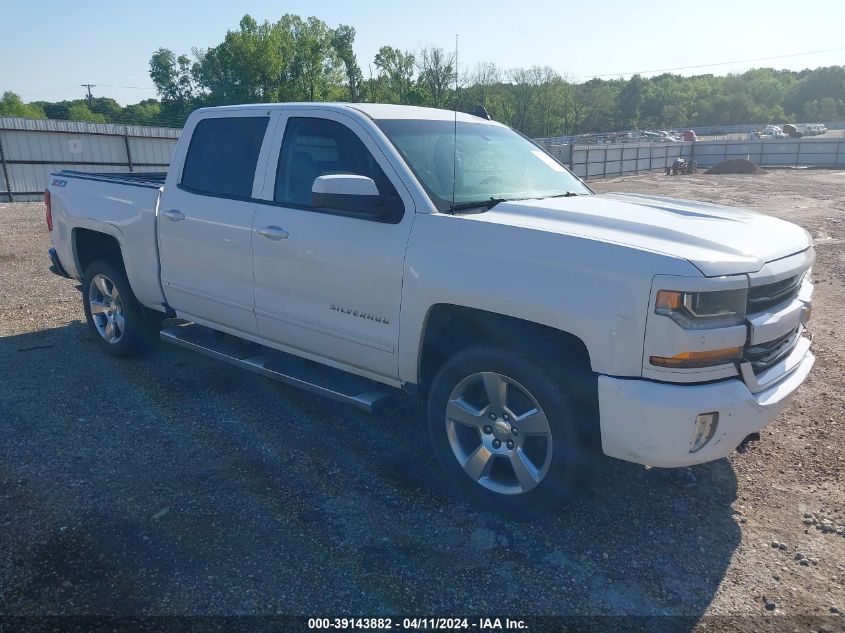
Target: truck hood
[(717, 240)]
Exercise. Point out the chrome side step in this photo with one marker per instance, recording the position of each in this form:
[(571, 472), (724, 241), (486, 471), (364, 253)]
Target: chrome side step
[(320, 379)]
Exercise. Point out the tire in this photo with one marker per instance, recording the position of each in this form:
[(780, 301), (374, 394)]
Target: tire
[(121, 326), (467, 426)]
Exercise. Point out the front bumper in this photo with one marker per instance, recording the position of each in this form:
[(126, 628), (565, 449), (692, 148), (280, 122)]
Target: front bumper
[(653, 423)]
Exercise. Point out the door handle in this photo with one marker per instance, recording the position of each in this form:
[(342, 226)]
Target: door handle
[(174, 215), (275, 233)]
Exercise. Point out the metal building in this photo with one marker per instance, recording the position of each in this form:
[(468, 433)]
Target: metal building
[(32, 148)]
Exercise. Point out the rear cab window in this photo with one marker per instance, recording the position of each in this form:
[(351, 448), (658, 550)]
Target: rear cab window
[(223, 155)]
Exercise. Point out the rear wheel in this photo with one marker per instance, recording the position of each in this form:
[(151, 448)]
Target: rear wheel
[(121, 325), (504, 428)]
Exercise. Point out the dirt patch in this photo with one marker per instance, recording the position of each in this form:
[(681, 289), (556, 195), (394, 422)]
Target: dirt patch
[(737, 166)]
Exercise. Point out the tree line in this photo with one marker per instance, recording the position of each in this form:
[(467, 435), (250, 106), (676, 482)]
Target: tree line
[(297, 59)]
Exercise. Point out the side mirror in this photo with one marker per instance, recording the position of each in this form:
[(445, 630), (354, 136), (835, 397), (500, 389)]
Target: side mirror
[(356, 195)]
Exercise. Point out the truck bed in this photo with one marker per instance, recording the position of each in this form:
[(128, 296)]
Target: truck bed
[(123, 206), (142, 179)]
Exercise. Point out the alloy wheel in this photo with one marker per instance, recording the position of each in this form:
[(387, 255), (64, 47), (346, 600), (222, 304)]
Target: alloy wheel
[(106, 308), (499, 433)]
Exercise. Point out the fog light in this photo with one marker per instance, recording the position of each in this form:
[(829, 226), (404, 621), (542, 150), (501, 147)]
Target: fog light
[(705, 429)]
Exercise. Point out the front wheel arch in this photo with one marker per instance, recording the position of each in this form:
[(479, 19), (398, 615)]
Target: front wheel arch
[(449, 328)]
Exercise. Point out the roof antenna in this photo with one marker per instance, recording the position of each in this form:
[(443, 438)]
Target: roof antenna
[(455, 144)]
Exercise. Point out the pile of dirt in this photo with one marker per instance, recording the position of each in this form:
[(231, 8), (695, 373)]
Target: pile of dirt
[(737, 166)]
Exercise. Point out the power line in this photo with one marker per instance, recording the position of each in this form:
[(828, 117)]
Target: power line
[(736, 61), (131, 87)]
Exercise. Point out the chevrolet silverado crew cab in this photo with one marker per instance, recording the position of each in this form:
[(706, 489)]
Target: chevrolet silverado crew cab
[(355, 249)]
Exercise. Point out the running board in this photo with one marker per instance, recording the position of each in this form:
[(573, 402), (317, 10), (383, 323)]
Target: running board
[(337, 384)]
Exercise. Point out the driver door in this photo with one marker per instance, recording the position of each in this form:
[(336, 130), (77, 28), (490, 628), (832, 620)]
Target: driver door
[(328, 285)]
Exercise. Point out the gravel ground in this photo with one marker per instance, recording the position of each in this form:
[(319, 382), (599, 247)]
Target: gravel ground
[(174, 484)]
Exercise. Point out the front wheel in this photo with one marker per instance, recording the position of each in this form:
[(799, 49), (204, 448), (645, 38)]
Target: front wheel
[(121, 325), (504, 427)]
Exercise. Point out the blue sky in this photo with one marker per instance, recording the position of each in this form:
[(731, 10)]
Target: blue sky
[(47, 49)]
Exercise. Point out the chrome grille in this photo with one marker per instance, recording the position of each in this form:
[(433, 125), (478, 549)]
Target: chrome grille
[(763, 297), (764, 355)]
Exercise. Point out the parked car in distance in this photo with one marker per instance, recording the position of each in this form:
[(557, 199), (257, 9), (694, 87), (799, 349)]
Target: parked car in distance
[(773, 131), (355, 250), (792, 131), (769, 133), (662, 136), (689, 135)]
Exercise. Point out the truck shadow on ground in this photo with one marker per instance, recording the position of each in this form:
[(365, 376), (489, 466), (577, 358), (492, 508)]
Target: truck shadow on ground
[(173, 483)]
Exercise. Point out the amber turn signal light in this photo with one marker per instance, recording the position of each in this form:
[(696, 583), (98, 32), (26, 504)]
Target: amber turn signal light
[(687, 360), (669, 300)]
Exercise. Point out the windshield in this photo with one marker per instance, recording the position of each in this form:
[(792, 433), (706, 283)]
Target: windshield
[(493, 162)]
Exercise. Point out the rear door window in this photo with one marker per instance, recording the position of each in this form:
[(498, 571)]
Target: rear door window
[(223, 155)]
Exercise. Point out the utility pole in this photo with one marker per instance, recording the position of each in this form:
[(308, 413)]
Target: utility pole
[(90, 96)]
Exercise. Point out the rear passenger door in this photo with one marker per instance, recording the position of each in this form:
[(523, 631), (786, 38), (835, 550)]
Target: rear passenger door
[(328, 285), (205, 220)]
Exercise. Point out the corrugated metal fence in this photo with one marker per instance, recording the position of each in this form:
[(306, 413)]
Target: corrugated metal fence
[(32, 148), (610, 160)]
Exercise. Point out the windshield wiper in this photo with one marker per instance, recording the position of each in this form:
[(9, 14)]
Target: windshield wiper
[(568, 194), (478, 204)]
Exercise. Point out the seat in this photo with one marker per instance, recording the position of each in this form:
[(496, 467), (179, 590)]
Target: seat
[(303, 173)]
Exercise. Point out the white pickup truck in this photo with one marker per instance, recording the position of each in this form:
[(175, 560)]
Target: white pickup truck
[(355, 249)]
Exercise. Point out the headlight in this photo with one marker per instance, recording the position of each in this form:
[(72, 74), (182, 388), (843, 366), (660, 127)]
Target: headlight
[(703, 310)]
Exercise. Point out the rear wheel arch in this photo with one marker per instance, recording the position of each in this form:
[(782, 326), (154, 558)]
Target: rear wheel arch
[(90, 246)]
